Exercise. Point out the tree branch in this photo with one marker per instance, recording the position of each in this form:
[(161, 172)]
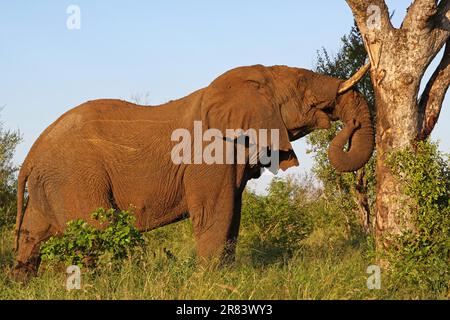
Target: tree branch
[(419, 15), (441, 24), (363, 14), (431, 101)]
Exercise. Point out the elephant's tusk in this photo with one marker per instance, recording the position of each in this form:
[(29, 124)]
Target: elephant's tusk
[(350, 83)]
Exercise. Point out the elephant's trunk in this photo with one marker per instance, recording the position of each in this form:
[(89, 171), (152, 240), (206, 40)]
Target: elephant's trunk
[(352, 106)]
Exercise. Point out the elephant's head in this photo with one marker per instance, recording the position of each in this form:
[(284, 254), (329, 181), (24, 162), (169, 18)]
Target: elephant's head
[(297, 101), (320, 99)]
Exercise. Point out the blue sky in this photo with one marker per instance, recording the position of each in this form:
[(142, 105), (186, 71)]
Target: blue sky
[(165, 48)]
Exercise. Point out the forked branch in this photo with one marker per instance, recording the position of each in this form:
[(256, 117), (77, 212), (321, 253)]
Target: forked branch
[(365, 11)]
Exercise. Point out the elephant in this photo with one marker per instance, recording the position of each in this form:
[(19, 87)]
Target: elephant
[(113, 154)]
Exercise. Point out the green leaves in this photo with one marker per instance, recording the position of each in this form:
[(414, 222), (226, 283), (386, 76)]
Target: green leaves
[(83, 245), (277, 223), (425, 173), (8, 143)]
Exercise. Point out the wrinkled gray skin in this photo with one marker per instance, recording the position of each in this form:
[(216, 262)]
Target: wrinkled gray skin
[(113, 154)]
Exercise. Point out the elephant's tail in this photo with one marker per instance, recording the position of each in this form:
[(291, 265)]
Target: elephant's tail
[(24, 173)]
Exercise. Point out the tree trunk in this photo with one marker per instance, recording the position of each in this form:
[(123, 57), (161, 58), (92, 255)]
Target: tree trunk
[(396, 86), (396, 129), (399, 58)]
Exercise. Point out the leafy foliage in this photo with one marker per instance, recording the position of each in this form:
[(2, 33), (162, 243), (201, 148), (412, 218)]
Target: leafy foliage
[(277, 223), (422, 256), (8, 143), (83, 245)]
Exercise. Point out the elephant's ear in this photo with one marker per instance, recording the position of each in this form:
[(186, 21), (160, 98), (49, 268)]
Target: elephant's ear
[(240, 104)]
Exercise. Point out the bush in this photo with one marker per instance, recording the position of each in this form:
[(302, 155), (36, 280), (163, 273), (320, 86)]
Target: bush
[(274, 225), (84, 245), (422, 256), (8, 143)]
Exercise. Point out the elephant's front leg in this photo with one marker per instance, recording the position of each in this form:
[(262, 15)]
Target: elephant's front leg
[(215, 210)]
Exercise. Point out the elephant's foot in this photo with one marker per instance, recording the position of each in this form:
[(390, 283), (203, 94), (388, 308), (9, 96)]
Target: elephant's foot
[(23, 272), (228, 255), (216, 257)]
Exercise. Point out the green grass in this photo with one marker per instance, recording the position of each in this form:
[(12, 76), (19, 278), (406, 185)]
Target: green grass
[(328, 264)]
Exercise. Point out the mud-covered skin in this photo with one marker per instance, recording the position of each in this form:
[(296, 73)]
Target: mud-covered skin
[(111, 153)]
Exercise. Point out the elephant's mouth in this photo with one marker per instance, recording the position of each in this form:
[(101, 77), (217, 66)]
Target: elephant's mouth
[(297, 134)]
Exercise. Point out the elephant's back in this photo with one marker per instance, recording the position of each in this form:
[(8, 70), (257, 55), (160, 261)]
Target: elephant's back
[(119, 127), (127, 122), (109, 111), (72, 123), (67, 128)]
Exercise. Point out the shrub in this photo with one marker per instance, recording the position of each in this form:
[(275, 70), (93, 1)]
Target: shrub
[(8, 143), (422, 256), (274, 225), (84, 245)]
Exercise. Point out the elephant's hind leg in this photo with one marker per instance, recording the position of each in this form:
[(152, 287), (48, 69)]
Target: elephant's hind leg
[(33, 231)]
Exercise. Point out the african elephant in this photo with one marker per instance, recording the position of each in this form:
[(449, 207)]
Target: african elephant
[(113, 154)]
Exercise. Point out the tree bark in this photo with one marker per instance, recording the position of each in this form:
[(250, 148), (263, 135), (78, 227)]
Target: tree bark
[(399, 60)]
